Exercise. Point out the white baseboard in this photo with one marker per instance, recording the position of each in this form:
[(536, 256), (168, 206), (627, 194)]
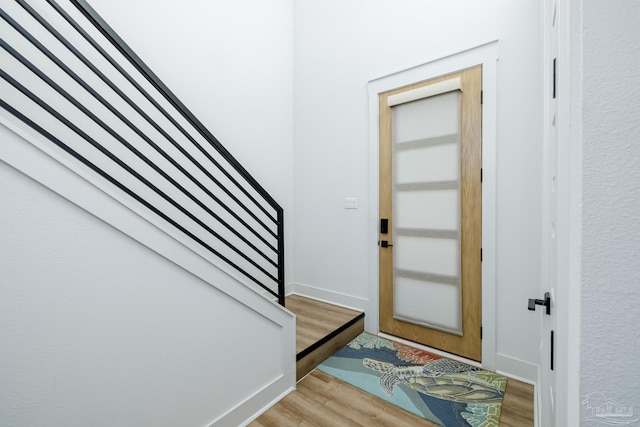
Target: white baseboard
[(332, 297), (517, 369), (258, 403)]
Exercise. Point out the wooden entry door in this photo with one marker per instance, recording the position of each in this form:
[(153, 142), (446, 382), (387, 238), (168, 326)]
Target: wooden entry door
[(431, 213)]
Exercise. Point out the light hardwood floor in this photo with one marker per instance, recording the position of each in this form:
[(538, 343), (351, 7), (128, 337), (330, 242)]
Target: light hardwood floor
[(322, 400), (517, 405)]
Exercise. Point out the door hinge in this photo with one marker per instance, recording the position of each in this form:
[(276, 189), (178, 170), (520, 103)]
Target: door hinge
[(481, 175), (481, 97), (552, 349), (480, 332), (480, 254), (554, 78)]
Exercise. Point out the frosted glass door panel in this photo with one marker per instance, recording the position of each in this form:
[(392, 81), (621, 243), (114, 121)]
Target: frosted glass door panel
[(427, 118), (426, 255), (438, 210), (426, 212), (432, 304), (428, 164)]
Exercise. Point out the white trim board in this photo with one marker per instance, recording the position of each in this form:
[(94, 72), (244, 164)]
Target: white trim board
[(485, 54), (570, 101), (31, 155), (103, 185)]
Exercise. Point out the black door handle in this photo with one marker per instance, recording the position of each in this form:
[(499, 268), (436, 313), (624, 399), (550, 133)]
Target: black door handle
[(385, 244), (546, 302)]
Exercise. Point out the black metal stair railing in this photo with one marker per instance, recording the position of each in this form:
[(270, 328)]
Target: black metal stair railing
[(70, 79)]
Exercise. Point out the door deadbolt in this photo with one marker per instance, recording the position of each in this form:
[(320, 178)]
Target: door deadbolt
[(384, 225)]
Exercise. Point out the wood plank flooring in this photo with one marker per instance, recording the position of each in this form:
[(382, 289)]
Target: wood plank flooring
[(322, 400), (517, 405)]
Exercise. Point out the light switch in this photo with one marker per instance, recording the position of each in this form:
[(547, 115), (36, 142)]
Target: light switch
[(350, 203)]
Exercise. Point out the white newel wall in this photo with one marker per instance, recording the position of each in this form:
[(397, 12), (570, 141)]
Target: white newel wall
[(340, 47)]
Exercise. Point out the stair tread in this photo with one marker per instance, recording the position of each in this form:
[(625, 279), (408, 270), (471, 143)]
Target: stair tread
[(315, 319), (321, 330)]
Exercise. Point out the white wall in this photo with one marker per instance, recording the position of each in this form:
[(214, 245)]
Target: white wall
[(95, 329), (610, 201), (339, 47)]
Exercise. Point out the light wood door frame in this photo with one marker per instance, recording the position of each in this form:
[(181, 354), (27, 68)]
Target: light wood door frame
[(469, 345)]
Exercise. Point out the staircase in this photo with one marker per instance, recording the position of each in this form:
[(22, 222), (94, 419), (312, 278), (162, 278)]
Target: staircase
[(321, 330), (81, 114), (72, 87)]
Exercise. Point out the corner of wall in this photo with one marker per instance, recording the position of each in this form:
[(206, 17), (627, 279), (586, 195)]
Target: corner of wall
[(255, 405)]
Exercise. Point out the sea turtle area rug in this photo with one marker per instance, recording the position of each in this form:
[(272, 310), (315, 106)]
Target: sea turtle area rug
[(441, 390)]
